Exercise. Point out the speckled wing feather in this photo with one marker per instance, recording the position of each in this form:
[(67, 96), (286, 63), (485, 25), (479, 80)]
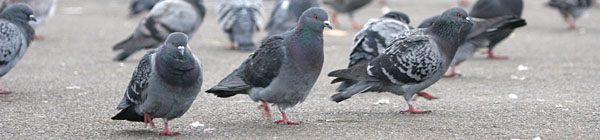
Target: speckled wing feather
[(139, 80), (12, 41), (263, 66), (372, 39), (228, 12), (411, 58)]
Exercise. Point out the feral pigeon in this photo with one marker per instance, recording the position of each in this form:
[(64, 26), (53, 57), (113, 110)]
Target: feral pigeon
[(166, 17), (414, 61), (485, 9), (139, 6), (239, 19), (42, 9), (571, 10), (164, 84), (478, 36), (15, 35), (373, 39), (347, 6), (286, 13), (284, 69)]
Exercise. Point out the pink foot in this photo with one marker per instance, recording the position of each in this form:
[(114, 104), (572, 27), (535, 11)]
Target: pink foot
[(4, 92), (38, 37), (148, 119), (412, 110), (356, 25), (266, 112), (285, 120), (424, 95), (491, 55), (334, 19), (453, 73), (167, 132), (572, 26), (231, 47)]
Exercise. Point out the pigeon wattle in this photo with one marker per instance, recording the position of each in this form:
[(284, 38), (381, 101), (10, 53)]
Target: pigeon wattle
[(164, 84), (166, 17), (485, 9), (15, 36), (240, 19), (284, 69), (414, 60)]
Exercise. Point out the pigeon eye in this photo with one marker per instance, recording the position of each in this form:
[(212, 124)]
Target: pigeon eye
[(23, 12), (316, 17), (459, 15)]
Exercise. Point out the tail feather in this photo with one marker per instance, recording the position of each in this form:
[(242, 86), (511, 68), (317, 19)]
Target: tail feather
[(357, 72), (350, 91), (128, 114), (510, 24), (230, 86)]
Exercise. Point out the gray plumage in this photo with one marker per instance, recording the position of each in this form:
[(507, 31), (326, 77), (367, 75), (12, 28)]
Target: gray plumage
[(240, 19), (164, 84), (139, 6), (346, 6), (415, 60), (571, 10), (166, 17), (485, 9), (285, 68), (42, 9), (15, 35), (286, 13), (373, 39)]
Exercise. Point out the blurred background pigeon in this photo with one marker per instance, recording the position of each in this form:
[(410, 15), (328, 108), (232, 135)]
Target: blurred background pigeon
[(485, 9), (347, 6), (139, 6), (571, 10), (15, 35), (166, 17), (42, 10), (240, 19), (286, 13)]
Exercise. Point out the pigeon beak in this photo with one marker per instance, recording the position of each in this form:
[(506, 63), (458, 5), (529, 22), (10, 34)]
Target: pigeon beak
[(181, 49), (469, 20), (32, 18), (328, 25)]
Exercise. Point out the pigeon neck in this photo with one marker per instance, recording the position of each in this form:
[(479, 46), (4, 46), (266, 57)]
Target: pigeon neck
[(182, 72), (448, 32), (29, 31), (306, 47)]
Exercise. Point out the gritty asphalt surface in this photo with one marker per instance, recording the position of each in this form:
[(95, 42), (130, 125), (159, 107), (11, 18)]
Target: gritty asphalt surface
[(67, 86)]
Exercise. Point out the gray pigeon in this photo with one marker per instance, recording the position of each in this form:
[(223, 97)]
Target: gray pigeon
[(478, 36), (42, 9), (164, 84), (286, 13), (139, 6), (571, 9), (485, 9), (239, 19), (373, 38), (284, 69), (347, 6), (15, 36), (414, 61), (166, 17)]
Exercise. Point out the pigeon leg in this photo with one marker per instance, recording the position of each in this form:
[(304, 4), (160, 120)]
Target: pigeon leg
[(334, 18), (411, 108), (148, 120), (491, 55), (424, 95), (571, 23), (166, 131), (266, 112), (38, 37), (453, 73), (355, 24), (4, 92), (231, 47), (285, 119)]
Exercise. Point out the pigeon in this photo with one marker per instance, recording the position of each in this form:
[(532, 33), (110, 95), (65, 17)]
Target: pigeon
[(414, 60), (286, 13), (372, 39), (166, 17), (478, 36), (571, 9), (239, 19), (284, 69), (347, 6), (15, 35), (485, 9), (42, 9), (139, 6), (164, 84)]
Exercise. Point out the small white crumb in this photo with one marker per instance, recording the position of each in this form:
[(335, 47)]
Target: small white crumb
[(209, 130), (81, 93), (541, 100), (385, 9), (537, 138), (497, 102), (76, 72), (196, 124), (122, 64), (514, 77), (73, 87), (595, 113), (513, 96), (382, 102), (558, 106), (522, 68), (45, 101)]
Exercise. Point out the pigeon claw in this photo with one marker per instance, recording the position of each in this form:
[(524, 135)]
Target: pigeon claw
[(412, 110), (491, 55), (266, 112), (356, 26), (148, 120), (169, 133), (4, 92), (285, 121)]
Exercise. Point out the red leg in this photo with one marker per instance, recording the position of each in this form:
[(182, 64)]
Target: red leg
[(424, 95), (355, 25), (266, 112), (38, 37), (285, 119), (334, 19), (4, 92), (452, 73), (412, 110), (571, 22), (148, 119), (491, 55), (231, 47), (167, 132)]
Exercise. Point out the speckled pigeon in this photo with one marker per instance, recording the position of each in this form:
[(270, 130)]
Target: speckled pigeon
[(166, 17), (139, 6), (478, 36), (15, 36), (240, 19), (286, 13), (284, 69), (414, 61), (373, 39), (571, 10), (485, 9), (164, 84)]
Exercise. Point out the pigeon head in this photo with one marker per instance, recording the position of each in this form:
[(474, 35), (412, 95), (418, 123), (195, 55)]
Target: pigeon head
[(451, 22), (315, 19), (176, 46), (19, 11), (398, 16)]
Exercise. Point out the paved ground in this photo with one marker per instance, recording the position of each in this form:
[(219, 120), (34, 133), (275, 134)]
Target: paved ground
[(67, 87)]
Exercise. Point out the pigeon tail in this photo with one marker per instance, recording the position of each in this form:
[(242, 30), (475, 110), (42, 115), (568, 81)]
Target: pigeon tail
[(230, 86), (513, 23), (359, 87), (357, 72), (129, 114)]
